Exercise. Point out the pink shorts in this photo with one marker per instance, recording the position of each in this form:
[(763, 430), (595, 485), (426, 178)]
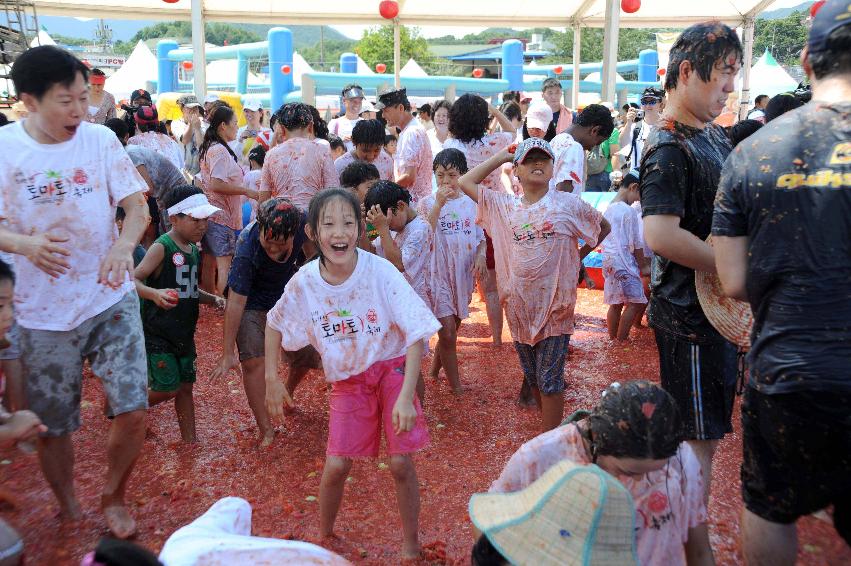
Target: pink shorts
[(363, 404)]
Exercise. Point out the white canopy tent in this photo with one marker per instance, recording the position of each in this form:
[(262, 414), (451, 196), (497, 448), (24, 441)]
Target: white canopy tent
[(575, 14), (412, 69), (768, 77), (43, 38), (363, 68), (141, 66), (224, 71), (300, 67)]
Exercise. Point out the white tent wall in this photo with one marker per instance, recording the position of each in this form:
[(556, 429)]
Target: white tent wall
[(412, 69), (141, 66), (43, 38)]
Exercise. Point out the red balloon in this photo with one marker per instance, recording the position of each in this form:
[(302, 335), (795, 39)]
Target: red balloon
[(381, 67), (286, 69), (816, 7), (558, 70), (478, 73), (660, 72), (388, 9), (187, 65), (630, 6), (170, 1)]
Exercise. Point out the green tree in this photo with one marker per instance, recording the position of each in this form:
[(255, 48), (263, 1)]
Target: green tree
[(376, 46), (333, 49), (217, 33), (784, 37), (630, 43)]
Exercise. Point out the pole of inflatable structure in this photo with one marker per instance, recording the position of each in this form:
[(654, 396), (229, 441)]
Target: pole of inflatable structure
[(648, 64), (512, 64), (348, 63), (397, 52), (166, 69), (280, 54), (241, 73), (610, 49), (199, 42), (577, 50), (747, 59)]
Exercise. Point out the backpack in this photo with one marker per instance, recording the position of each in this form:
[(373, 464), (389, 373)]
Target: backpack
[(597, 161)]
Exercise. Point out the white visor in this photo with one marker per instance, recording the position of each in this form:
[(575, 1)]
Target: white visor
[(196, 206)]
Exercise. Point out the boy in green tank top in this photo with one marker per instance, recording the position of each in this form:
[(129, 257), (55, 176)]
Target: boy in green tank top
[(167, 283)]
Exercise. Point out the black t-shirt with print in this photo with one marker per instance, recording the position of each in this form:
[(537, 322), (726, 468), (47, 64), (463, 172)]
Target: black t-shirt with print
[(787, 188), (680, 169)]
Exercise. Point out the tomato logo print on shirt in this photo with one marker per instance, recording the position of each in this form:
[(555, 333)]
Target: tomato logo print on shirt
[(178, 259), (80, 177), (371, 316), (530, 232), (340, 325)]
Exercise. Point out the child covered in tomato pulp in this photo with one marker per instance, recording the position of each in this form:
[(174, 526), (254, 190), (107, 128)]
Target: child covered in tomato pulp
[(167, 283), (624, 260), (405, 239), (537, 256), (459, 250), (368, 326)]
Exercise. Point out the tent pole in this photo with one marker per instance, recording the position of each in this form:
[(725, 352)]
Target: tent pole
[(747, 63), (199, 41), (397, 52), (610, 49), (577, 50)]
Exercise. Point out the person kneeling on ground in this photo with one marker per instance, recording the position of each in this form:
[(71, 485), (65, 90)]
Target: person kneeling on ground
[(635, 434)]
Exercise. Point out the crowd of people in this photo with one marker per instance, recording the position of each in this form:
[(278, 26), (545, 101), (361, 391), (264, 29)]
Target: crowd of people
[(343, 247)]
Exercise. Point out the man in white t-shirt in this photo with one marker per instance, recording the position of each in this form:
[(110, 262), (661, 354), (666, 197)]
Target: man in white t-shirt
[(591, 127), (638, 126), (342, 127), (412, 160), (60, 181)]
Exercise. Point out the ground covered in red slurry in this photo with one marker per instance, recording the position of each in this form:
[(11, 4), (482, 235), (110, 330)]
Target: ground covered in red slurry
[(472, 438)]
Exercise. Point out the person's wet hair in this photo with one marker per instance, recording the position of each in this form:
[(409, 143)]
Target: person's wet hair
[(257, 154), (38, 69), (743, 129), (368, 132), (119, 128), (781, 104), (703, 45), (469, 118), (221, 115), (390, 138), (835, 59), (320, 126), (336, 142), (386, 194), (357, 172), (6, 273), (635, 420), (294, 116), (512, 110), (115, 552), (278, 218), (450, 159), (317, 205), (425, 109), (596, 115), (485, 554)]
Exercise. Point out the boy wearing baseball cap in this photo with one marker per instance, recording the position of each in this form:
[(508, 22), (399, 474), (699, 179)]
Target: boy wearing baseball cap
[(535, 239), (167, 283)]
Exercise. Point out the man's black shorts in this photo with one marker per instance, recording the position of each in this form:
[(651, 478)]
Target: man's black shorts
[(702, 380), (797, 456)]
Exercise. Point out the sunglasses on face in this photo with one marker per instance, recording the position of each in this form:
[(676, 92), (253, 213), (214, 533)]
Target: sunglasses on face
[(649, 101)]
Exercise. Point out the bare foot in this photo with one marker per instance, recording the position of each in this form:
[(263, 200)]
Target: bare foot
[(121, 524), (70, 511), (410, 551), (268, 439)]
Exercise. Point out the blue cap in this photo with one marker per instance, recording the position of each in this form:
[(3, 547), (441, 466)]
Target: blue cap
[(832, 15), (528, 145)]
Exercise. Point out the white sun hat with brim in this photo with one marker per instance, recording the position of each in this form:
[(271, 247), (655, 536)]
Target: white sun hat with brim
[(571, 515), (197, 206)]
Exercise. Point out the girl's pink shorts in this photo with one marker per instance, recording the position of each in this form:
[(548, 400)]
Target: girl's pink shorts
[(362, 405)]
